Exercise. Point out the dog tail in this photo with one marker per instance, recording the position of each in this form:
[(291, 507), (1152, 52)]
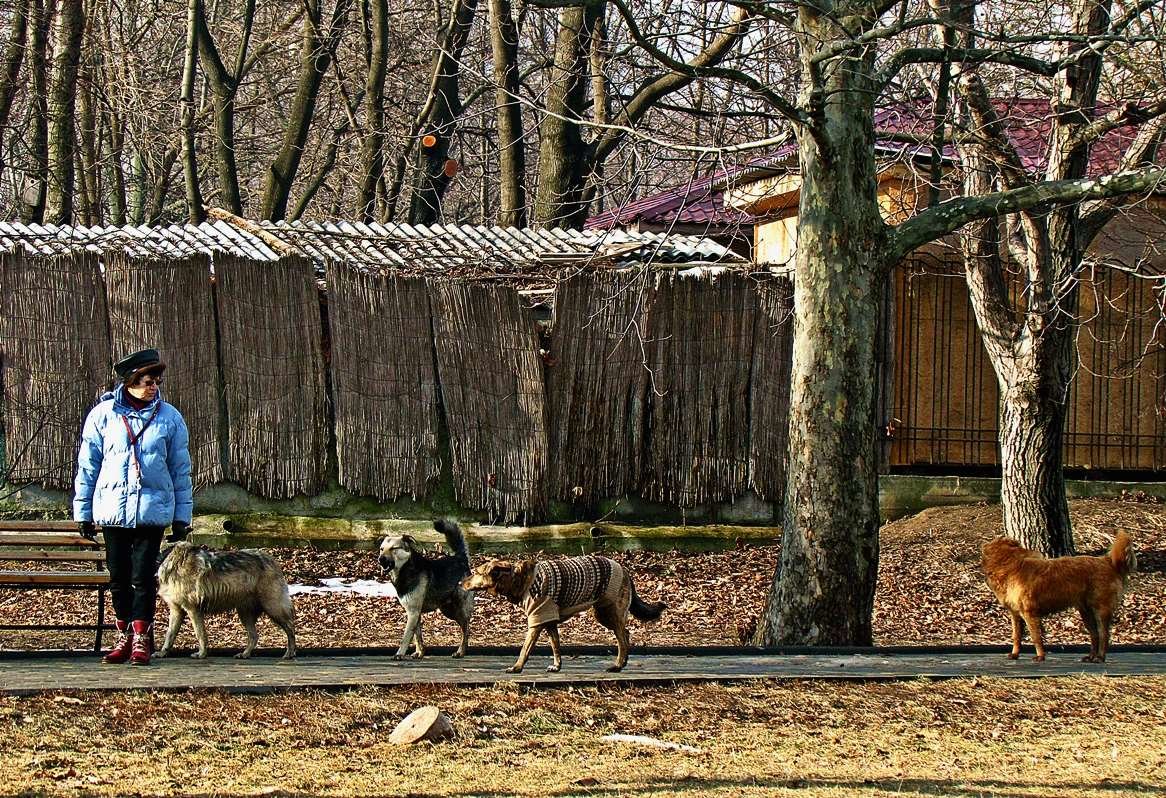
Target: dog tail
[(454, 539), (1121, 554), (642, 611)]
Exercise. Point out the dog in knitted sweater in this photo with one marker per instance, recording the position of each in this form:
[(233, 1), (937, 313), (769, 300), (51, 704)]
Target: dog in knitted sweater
[(551, 591)]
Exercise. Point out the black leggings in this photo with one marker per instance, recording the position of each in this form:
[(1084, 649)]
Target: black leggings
[(132, 557)]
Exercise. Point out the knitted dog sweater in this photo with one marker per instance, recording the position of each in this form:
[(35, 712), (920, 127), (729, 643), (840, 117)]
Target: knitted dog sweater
[(562, 588)]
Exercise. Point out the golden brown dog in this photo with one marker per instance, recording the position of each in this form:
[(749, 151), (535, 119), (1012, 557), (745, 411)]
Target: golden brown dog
[(551, 591), (1031, 587)]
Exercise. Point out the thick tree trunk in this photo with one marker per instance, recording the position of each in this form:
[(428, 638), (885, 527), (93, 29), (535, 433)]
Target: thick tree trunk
[(38, 44), (511, 152), (559, 201), (62, 136), (1032, 489), (10, 71), (823, 591), (433, 176), (372, 159), (194, 205)]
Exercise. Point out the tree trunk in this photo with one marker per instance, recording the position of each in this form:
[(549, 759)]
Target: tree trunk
[(823, 590), (38, 46), (373, 148), (511, 149), (1032, 427), (194, 206), (559, 201), (62, 135), (10, 73), (432, 176), (316, 51)]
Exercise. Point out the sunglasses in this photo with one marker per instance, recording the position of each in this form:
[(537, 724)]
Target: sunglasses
[(146, 382)]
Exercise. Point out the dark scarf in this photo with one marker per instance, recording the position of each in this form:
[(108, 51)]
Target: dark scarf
[(135, 402)]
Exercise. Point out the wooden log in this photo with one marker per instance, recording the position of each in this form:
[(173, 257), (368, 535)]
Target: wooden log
[(427, 723)]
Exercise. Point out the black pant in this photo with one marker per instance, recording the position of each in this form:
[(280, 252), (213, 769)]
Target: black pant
[(132, 557)]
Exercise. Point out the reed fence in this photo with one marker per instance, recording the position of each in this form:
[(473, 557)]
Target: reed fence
[(597, 384), (701, 350), (54, 350), (384, 382), (491, 379), (167, 304), (270, 329)]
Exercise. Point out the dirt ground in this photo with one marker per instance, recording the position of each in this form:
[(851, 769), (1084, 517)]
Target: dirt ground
[(930, 592), (1083, 736)]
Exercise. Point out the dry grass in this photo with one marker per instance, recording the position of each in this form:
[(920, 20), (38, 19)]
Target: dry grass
[(1087, 736)]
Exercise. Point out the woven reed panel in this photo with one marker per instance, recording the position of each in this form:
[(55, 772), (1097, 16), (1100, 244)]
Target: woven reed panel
[(701, 348), (597, 385), (54, 351), (769, 391), (270, 332), (167, 304), (492, 391), (384, 382)]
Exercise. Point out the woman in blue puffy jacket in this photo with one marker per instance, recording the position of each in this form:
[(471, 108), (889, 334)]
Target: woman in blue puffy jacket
[(133, 480)]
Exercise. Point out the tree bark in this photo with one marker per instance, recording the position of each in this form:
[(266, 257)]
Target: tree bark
[(194, 205), (61, 109), (562, 156), (10, 73), (373, 147), (224, 86), (316, 52), (823, 590), (1032, 428), (511, 149), (432, 177)]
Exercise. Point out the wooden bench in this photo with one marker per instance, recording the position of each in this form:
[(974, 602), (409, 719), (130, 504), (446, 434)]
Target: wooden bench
[(54, 548)]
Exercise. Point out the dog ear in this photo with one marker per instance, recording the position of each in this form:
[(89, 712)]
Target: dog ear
[(410, 541)]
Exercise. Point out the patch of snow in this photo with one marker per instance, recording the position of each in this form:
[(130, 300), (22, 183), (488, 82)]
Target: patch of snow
[(338, 584)]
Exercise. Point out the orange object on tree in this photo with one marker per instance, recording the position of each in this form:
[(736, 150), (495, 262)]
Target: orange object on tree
[(428, 140)]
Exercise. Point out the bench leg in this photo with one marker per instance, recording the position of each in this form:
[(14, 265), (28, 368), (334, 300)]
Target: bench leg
[(100, 618)]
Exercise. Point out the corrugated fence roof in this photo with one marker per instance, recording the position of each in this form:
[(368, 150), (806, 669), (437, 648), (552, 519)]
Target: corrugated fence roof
[(466, 248)]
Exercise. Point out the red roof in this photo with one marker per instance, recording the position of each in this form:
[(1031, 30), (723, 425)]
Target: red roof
[(701, 201)]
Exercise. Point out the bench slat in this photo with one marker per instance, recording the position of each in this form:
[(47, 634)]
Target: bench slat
[(45, 539), (95, 578), (49, 554), (38, 526)]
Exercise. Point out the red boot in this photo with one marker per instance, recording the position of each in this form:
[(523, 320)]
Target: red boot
[(143, 643), (121, 649)]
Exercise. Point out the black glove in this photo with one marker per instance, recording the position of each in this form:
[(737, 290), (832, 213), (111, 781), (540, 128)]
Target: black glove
[(178, 532), (87, 529)]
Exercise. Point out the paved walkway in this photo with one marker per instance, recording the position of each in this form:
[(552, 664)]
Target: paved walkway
[(25, 675)]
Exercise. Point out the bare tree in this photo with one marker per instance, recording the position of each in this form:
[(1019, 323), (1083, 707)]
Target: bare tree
[(1030, 340)]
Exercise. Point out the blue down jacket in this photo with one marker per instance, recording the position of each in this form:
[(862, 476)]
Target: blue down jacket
[(110, 489)]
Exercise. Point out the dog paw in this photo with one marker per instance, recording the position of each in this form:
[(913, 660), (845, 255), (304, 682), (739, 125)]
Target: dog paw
[(160, 654), (198, 655), (458, 654), (286, 659), (615, 669), (399, 657), (1014, 655), (418, 655), (243, 655), (1039, 658), (514, 669), (554, 668)]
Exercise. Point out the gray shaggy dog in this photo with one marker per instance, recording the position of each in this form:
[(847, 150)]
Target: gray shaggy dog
[(197, 582)]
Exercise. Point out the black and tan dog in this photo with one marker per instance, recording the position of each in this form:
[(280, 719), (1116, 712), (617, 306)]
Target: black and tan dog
[(551, 591), (424, 584)]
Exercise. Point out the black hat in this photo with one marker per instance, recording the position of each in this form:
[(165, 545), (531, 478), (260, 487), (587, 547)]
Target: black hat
[(141, 362)]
